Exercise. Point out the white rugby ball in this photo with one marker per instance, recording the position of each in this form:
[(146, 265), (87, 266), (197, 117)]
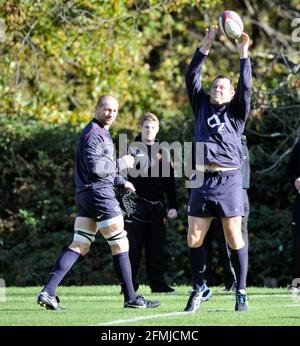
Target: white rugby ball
[(231, 24)]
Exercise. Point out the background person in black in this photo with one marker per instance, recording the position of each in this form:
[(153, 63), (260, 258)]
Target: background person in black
[(293, 172), (216, 230), (149, 232)]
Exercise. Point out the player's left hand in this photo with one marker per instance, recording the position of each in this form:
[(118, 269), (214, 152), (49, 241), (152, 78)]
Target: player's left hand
[(128, 185), (172, 213)]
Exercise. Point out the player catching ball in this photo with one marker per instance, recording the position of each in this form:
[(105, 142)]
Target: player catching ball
[(220, 118)]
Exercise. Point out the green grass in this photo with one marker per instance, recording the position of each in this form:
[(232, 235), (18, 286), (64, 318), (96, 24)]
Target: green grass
[(102, 305)]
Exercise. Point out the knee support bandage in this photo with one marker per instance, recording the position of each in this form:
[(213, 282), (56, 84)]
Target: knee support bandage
[(115, 237), (84, 236)]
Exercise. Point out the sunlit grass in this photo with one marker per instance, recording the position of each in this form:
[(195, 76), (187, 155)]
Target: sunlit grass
[(103, 306)]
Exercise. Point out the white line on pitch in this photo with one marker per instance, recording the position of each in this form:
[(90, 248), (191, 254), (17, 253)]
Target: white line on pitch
[(141, 318)]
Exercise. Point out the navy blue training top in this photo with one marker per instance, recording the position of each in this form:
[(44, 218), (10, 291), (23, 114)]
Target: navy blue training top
[(94, 165), (219, 128)]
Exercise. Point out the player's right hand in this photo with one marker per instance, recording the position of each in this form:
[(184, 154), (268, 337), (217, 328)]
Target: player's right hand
[(129, 159), (208, 39)]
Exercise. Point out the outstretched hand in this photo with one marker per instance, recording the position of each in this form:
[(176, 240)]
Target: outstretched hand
[(208, 39), (242, 44)]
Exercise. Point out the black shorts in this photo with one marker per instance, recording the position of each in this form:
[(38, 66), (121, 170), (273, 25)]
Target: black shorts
[(221, 195), (98, 205)]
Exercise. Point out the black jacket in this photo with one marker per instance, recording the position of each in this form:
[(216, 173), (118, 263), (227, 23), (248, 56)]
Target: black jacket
[(293, 166), (152, 187)]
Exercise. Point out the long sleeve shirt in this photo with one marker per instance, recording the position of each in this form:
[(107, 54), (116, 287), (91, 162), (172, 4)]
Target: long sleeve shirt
[(219, 128), (94, 165)]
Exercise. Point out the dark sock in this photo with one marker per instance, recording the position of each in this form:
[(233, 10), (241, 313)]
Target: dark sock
[(63, 264), (123, 269), (197, 262), (239, 260)]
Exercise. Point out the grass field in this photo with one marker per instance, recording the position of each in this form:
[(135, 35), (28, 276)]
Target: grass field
[(102, 306)]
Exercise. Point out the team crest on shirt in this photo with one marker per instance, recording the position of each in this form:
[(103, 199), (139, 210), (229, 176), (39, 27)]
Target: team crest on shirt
[(214, 121)]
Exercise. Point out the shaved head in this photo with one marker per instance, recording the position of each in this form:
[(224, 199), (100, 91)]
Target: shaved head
[(106, 110), (104, 98)]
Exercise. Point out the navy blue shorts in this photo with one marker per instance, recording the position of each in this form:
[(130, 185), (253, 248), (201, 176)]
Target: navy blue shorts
[(221, 195), (98, 205)]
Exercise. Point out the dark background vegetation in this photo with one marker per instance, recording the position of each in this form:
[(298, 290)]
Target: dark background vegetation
[(57, 57)]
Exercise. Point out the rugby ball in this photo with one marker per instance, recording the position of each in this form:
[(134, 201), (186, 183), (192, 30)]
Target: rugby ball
[(231, 24)]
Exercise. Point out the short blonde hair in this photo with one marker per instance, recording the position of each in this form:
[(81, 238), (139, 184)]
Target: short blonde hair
[(149, 117)]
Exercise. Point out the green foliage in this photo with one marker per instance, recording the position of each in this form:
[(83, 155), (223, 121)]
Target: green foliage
[(60, 56), (270, 245)]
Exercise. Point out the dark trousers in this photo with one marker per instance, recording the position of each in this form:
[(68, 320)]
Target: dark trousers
[(216, 232), (296, 239), (245, 219), (148, 233)]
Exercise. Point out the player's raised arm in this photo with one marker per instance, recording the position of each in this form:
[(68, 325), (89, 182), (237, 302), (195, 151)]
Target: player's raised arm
[(242, 98), (192, 77)]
